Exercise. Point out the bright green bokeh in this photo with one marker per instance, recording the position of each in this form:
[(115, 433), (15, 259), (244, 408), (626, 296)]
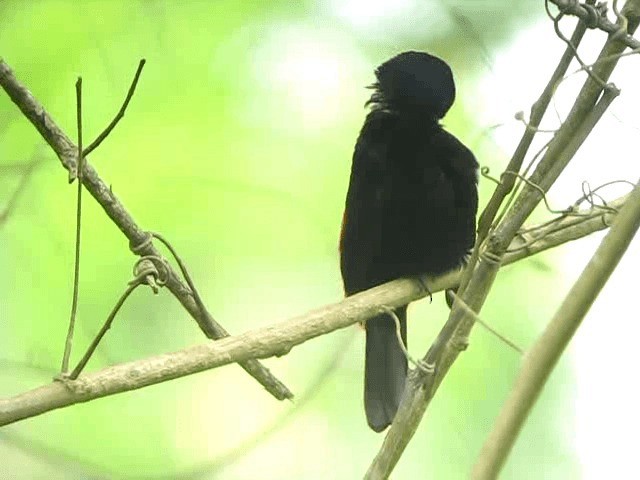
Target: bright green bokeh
[(237, 148)]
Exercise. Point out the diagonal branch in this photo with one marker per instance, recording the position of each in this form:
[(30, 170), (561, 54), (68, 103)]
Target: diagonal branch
[(538, 110), (453, 338), (264, 342), (542, 357), (120, 115), (138, 239), (260, 343), (592, 17)]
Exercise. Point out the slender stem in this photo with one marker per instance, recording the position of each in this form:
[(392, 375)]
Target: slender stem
[(259, 343), (453, 337), (507, 182), (76, 272), (67, 152), (538, 110), (542, 357), (107, 325), (120, 113)]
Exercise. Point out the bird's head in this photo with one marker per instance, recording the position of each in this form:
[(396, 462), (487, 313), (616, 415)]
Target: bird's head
[(416, 82)]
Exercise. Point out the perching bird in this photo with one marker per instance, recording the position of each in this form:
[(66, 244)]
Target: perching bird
[(410, 208)]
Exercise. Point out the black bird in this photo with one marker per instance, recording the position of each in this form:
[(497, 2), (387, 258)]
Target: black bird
[(410, 209)]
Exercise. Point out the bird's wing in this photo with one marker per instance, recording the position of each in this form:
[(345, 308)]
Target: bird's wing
[(361, 235), (462, 166)]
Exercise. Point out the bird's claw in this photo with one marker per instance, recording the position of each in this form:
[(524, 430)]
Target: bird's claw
[(425, 288)]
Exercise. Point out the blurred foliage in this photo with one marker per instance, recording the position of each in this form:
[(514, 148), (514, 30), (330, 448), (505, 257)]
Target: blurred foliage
[(237, 147)]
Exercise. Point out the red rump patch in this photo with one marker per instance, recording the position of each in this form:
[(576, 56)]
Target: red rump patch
[(344, 220)]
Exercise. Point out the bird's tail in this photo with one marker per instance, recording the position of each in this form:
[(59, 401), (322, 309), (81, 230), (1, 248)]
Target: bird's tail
[(385, 369)]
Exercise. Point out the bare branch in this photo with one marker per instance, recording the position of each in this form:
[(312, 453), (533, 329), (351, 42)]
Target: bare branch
[(120, 113), (453, 338), (538, 110), (591, 16), (542, 357), (267, 341), (68, 344), (563, 230), (138, 239)]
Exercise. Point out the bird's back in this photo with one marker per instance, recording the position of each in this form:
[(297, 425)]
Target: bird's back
[(412, 201)]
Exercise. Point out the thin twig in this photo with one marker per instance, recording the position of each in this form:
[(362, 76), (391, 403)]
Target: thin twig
[(217, 464), (107, 325), (76, 269), (556, 27), (507, 183), (151, 271), (542, 357), (453, 338), (260, 343), (503, 338), (518, 183), (571, 7), (147, 270), (120, 113), (264, 342), (391, 312), (563, 230), (138, 238), (187, 278)]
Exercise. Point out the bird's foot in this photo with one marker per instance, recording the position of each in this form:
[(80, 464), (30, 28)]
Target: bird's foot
[(425, 288)]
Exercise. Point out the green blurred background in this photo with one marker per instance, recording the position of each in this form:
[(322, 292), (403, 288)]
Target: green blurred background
[(237, 147)]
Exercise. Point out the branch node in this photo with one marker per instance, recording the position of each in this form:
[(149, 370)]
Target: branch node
[(425, 367), (140, 248), (152, 271), (490, 257), (594, 12), (459, 343)]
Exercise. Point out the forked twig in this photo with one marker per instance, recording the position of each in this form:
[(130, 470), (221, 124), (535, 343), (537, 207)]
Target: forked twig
[(67, 152)]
